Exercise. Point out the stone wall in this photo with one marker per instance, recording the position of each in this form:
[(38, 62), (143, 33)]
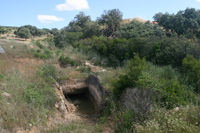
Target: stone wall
[(92, 85), (96, 91)]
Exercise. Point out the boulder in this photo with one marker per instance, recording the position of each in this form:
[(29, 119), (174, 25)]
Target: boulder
[(5, 94), (138, 100)]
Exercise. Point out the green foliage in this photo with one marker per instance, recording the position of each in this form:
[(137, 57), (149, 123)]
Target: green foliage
[(183, 23), (91, 29), (164, 81), (58, 52), (112, 19), (3, 30), (191, 68), (39, 45), (0, 97), (136, 68), (185, 119), (28, 30), (112, 51), (64, 61), (47, 72), (72, 127), (35, 31), (1, 76), (65, 38), (23, 33), (35, 99), (171, 51), (79, 22), (136, 29), (123, 121), (46, 54), (41, 95)]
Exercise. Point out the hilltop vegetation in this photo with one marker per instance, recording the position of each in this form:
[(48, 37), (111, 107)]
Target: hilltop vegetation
[(157, 61)]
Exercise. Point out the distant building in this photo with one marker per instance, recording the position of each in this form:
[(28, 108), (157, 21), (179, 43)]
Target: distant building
[(1, 50)]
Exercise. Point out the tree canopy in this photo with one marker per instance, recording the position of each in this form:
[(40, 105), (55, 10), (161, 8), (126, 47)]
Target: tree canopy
[(23, 33), (112, 20), (185, 22)]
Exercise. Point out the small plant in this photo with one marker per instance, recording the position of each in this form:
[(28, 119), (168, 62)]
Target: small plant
[(1, 76), (39, 45), (0, 96), (58, 52), (47, 54), (47, 72), (123, 121), (40, 95)]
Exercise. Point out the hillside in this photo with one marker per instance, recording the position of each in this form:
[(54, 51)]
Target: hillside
[(108, 75)]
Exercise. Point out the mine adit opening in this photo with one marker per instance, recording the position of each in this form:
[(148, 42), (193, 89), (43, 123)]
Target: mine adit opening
[(84, 101)]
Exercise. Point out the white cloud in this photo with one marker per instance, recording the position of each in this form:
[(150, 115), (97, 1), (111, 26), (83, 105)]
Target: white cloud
[(48, 19), (70, 5), (198, 0)]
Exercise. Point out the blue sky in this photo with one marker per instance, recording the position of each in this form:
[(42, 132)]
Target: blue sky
[(58, 13)]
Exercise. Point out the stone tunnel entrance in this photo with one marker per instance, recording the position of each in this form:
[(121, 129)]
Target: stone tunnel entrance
[(83, 102), (86, 94)]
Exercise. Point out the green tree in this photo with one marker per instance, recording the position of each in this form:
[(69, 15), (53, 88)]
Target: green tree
[(23, 33), (91, 29), (136, 29), (3, 30), (112, 20), (79, 22), (191, 68), (183, 23)]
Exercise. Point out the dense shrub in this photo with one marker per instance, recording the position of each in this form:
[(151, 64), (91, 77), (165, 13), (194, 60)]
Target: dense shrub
[(64, 61), (46, 54), (136, 67), (136, 29), (191, 68), (170, 92)]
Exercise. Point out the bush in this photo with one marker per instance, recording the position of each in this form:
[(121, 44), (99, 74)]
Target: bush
[(170, 92), (39, 45), (186, 119), (64, 61), (136, 66), (191, 69), (47, 72), (1, 76), (58, 52), (123, 122), (47, 54)]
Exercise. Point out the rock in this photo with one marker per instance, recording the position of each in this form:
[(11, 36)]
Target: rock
[(138, 100), (61, 107), (5, 94), (176, 109), (31, 46)]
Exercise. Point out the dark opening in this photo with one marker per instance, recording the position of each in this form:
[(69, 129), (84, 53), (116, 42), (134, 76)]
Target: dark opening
[(83, 101)]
